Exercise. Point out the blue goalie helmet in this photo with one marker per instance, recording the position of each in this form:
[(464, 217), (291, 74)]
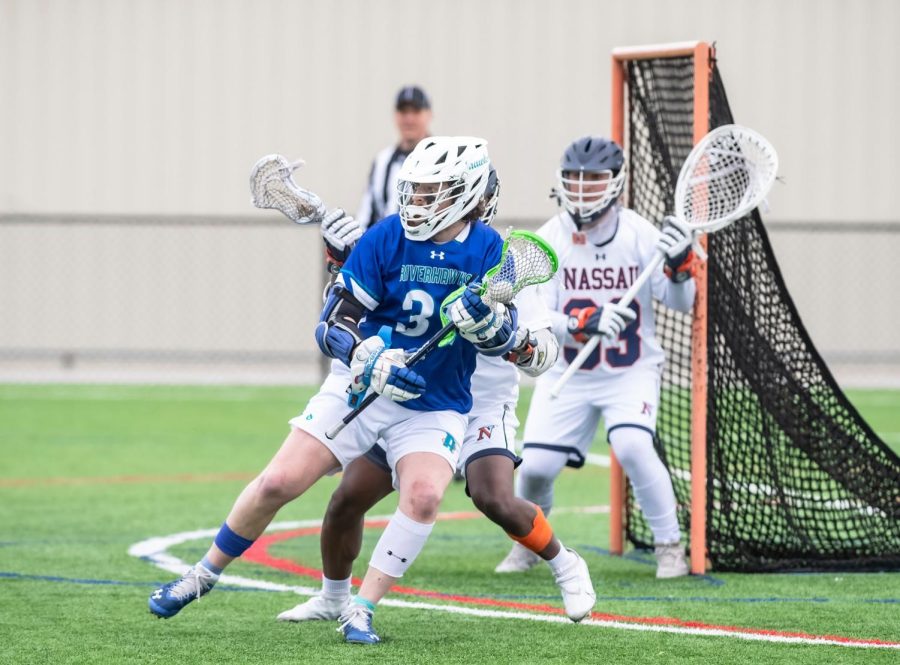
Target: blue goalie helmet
[(590, 177)]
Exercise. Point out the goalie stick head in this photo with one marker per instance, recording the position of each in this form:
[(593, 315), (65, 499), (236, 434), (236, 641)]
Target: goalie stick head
[(590, 178), (441, 181), (726, 175), (272, 186)]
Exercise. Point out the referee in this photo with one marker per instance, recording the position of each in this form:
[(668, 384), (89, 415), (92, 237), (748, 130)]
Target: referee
[(413, 119)]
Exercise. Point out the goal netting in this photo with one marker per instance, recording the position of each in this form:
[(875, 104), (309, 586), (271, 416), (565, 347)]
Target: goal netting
[(796, 480)]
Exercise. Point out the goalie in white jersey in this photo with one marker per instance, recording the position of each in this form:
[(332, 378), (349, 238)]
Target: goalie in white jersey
[(602, 248)]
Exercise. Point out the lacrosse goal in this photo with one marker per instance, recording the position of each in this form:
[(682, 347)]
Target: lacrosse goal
[(773, 468)]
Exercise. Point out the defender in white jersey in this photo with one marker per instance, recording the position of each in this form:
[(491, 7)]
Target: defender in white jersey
[(487, 459), (602, 248)]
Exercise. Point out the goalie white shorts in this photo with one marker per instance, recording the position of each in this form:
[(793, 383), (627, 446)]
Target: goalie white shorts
[(569, 422), (402, 431)]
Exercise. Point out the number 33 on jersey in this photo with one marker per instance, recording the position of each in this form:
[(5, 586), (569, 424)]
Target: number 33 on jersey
[(592, 275)]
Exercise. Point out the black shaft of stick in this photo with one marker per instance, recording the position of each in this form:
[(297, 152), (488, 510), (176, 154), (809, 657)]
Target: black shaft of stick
[(425, 349)]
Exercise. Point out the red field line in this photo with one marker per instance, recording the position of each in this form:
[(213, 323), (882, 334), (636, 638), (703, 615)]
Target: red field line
[(129, 480), (259, 554)]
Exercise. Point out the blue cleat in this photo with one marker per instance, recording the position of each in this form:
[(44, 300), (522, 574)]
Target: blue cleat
[(168, 600), (356, 625)]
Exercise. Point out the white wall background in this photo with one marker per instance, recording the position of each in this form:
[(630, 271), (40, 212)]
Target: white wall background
[(160, 107)]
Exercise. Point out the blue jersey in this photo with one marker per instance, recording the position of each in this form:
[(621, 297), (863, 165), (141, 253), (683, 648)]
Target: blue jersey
[(403, 283)]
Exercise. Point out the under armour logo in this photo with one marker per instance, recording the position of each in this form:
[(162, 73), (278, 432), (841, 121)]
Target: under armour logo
[(397, 556), (157, 595), (485, 432), (437, 255), (597, 257)]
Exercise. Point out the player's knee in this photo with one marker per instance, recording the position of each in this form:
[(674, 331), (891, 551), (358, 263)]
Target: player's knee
[(494, 505), (422, 501), (275, 488), (632, 446), (343, 507), (536, 475)]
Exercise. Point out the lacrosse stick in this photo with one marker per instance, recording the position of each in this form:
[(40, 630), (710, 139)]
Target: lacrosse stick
[(526, 259), (726, 175), (272, 186)]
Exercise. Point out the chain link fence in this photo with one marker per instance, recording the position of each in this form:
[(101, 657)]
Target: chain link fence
[(235, 299)]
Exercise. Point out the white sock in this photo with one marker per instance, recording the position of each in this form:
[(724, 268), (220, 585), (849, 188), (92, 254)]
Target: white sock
[(399, 545), (561, 561), (650, 481), (335, 589)]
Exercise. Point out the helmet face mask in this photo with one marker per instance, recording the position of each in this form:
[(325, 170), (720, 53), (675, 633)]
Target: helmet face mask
[(441, 181), (590, 178)]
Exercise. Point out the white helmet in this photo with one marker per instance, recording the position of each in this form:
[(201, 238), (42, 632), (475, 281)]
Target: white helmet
[(440, 181)]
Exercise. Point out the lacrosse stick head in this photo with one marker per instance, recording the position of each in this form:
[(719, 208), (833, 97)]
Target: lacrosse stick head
[(272, 186), (726, 175), (526, 259)]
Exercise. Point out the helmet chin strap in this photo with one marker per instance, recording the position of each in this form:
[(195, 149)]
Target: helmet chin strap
[(581, 221)]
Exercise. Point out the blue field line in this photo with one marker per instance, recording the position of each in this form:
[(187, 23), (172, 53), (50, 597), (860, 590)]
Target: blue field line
[(651, 599), (82, 580)]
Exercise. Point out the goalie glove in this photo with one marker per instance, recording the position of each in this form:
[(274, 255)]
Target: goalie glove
[(534, 353), (676, 243), (608, 321), (340, 233), (385, 370), (490, 328)]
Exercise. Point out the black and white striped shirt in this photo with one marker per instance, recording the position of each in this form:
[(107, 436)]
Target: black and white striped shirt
[(380, 199)]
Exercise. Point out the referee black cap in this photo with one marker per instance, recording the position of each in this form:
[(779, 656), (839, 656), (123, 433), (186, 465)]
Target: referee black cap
[(412, 95)]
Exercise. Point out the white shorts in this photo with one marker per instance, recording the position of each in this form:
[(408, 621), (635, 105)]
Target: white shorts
[(490, 431), (569, 422), (403, 431)]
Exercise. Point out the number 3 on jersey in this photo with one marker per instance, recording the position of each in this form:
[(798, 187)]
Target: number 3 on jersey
[(616, 356), (420, 304)]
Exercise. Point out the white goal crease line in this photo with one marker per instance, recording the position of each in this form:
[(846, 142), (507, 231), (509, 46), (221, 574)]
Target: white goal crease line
[(155, 550)]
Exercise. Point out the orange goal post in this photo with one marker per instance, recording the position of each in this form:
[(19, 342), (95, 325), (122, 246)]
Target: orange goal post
[(702, 54)]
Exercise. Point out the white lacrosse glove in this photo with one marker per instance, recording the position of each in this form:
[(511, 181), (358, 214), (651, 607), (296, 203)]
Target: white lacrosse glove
[(475, 320), (384, 370), (676, 243), (341, 233), (612, 319), (534, 353)]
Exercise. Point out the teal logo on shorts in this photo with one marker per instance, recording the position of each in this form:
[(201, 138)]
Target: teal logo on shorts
[(309, 417), (449, 443)]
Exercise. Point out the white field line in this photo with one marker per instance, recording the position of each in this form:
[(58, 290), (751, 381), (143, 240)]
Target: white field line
[(155, 550)]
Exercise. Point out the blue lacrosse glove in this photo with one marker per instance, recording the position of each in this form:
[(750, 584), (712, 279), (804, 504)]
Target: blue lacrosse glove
[(385, 370), (491, 328)]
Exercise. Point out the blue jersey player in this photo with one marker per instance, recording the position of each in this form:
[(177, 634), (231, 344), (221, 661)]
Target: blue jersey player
[(396, 278)]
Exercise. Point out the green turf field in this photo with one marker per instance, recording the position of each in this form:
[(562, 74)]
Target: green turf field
[(88, 471)]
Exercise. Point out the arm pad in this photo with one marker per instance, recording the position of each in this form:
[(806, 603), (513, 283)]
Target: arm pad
[(337, 332)]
